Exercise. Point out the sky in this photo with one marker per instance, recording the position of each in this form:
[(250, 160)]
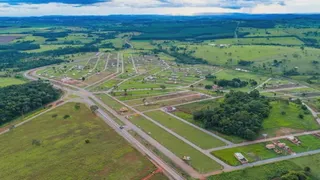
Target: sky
[(161, 7)]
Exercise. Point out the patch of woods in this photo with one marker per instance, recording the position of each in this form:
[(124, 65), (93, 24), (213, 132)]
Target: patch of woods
[(20, 61), (233, 83), (20, 46), (240, 114), (17, 100)]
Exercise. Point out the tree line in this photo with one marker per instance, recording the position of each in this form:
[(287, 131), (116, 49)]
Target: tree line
[(18, 100)]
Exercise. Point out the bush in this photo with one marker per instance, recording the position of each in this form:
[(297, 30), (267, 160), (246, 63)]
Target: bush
[(66, 116)]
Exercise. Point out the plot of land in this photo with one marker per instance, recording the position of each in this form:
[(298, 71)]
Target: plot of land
[(10, 81), (199, 138), (7, 38), (260, 41), (121, 109), (279, 123), (61, 142), (199, 161), (257, 152)]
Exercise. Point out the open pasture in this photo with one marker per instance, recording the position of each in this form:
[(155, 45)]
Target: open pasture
[(4, 81), (284, 119), (134, 95), (262, 41), (61, 142)]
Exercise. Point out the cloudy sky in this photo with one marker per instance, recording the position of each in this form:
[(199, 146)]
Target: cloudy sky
[(164, 7)]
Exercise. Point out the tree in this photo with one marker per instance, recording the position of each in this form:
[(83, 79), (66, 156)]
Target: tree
[(163, 87), (94, 108), (208, 87), (192, 87), (77, 106), (83, 78)]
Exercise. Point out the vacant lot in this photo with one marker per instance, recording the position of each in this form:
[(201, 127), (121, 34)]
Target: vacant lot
[(264, 41), (112, 103), (53, 147), (192, 134), (10, 81), (198, 160), (279, 123)]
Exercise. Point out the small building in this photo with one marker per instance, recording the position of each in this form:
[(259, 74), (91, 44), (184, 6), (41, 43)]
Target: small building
[(270, 146), (124, 110), (241, 158), (294, 140), (169, 109), (186, 158)]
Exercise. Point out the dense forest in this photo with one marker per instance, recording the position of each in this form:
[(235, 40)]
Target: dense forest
[(241, 114), (18, 100)]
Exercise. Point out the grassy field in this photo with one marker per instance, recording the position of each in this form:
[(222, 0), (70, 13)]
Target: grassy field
[(259, 41), (55, 148), (277, 124), (111, 103), (198, 160), (314, 103), (257, 152), (192, 134), (133, 95), (254, 152), (10, 81), (142, 45), (48, 48), (265, 172)]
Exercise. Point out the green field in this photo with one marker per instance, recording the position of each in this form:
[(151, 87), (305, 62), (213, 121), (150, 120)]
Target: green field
[(257, 152), (61, 142), (192, 134), (49, 48), (265, 172), (260, 41), (111, 102), (133, 95), (199, 161), (10, 81), (278, 124)]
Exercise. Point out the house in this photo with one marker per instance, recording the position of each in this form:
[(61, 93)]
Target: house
[(169, 109), (270, 146), (124, 110), (294, 140), (241, 158)]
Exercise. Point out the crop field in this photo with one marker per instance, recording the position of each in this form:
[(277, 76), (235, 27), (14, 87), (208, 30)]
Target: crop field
[(197, 137), (172, 102), (10, 81), (261, 41), (61, 142), (257, 152), (279, 123), (199, 161)]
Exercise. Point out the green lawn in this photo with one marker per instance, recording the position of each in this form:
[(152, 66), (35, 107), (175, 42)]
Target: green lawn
[(192, 134), (198, 160), (62, 152), (273, 124), (10, 81)]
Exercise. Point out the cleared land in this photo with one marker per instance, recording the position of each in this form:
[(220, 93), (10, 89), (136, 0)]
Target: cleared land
[(10, 81), (278, 124), (61, 142), (199, 161), (197, 137)]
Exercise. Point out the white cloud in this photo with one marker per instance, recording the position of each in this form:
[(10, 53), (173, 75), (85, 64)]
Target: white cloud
[(175, 7)]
